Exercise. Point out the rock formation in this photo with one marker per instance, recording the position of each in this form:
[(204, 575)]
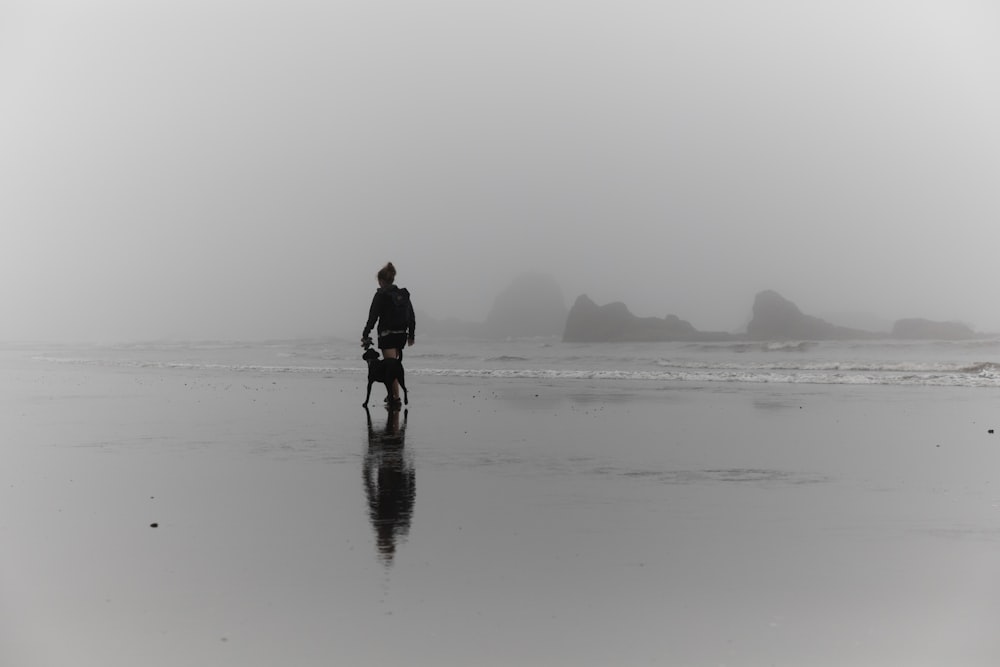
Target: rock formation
[(431, 327), (777, 318), (532, 305), (588, 322), (920, 329)]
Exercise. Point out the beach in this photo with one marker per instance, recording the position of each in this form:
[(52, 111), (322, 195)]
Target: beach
[(244, 516)]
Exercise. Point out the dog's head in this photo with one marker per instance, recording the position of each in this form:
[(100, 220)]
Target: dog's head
[(370, 355)]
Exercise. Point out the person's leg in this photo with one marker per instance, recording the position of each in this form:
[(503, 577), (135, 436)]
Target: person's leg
[(392, 348), (392, 353)]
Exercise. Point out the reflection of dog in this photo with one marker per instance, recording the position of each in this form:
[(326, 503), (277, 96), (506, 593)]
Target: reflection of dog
[(390, 484), (386, 371)]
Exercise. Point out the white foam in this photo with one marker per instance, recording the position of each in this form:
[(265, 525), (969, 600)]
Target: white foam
[(803, 372)]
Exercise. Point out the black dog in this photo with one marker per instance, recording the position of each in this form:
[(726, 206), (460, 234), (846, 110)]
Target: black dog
[(385, 371)]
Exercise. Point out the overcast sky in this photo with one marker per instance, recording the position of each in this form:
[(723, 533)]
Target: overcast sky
[(242, 169)]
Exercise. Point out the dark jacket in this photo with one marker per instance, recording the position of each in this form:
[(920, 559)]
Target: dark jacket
[(382, 311)]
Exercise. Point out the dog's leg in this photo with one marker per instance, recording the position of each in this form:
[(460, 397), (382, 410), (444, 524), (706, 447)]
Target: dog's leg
[(402, 384), (368, 395)]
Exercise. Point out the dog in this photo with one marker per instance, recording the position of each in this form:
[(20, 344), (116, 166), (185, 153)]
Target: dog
[(385, 371)]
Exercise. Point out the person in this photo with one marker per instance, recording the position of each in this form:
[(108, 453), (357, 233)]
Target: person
[(392, 311)]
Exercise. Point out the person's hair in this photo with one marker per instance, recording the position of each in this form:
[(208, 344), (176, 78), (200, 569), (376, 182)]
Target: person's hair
[(387, 273)]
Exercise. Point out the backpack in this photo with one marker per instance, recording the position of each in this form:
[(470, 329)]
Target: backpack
[(397, 315)]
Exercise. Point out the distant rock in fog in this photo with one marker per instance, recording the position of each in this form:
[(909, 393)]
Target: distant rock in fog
[(431, 327), (860, 320), (777, 318), (588, 322), (921, 329), (532, 305)]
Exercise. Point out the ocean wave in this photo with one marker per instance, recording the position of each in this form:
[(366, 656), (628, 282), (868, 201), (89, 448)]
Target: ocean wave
[(874, 344), (984, 374), (745, 377), (985, 368), (758, 346), (832, 365), (188, 365)]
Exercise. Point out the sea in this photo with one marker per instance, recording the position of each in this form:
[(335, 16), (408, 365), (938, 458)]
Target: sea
[(974, 364)]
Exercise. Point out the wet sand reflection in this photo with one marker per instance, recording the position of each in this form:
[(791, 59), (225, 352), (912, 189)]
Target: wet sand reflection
[(390, 484)]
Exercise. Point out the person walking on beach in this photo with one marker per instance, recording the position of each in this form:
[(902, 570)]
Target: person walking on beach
[(392, 310)]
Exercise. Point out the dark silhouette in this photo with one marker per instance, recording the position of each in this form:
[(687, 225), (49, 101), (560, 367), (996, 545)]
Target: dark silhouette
[(587, 322), (392, 310), (390, 484), (387, 371), (533, 305), (777, 318), (774, 318)]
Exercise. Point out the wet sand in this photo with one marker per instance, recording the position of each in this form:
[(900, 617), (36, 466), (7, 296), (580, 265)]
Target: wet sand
[(501, 522)]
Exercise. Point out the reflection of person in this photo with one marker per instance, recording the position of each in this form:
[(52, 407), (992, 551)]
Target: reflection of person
[(392, 309), (390, 484)]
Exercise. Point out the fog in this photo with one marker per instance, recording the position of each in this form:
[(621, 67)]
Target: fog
[(234, 169)]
